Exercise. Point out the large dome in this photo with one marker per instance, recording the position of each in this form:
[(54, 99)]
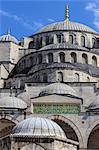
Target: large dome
[(64, 26), (38, 128), (8, 38), (11, 102), (58, 88)]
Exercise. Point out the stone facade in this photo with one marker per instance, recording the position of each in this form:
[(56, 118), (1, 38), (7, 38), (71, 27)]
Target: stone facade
[(45, 70)]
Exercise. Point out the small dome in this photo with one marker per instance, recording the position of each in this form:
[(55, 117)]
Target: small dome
[(8, 38), (58, 88), (12, 102), (39, 128), (67, 26)]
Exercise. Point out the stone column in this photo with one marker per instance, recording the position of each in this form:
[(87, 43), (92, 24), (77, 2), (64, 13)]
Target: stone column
[(55, 39), (66, 37), (43, 41), (78, 38)]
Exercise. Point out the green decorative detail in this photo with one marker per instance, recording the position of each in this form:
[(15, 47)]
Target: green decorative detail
[(56, 108)]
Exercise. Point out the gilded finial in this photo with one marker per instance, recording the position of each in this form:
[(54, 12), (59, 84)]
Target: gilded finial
[(8, 31), (67, 13)]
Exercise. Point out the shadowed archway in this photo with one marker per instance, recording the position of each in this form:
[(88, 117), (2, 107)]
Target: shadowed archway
[(93, 140), (70, 129), (5, 131)]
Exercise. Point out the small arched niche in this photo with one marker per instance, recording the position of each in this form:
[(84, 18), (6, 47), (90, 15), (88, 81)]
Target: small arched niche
[(94, 61), (76, 77), (83, 41), (31, 45), (50, 57), (73, 57), (62, 57), (84, 58)]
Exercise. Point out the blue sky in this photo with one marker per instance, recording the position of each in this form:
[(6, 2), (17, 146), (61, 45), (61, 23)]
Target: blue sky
[(25, 17)]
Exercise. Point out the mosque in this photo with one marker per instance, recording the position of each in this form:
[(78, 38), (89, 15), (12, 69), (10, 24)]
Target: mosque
[(49, 89)]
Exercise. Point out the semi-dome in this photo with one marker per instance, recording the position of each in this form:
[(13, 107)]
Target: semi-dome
[(8, 38), (65, 45), (67, 26), (12, 102), (37, 127), (58, 88)]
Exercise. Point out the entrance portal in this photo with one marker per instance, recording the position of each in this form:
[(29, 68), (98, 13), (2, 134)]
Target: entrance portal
[(93, 141)]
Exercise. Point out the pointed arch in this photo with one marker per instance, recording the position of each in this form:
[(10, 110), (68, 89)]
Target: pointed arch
[(90, 131), (71, 124)]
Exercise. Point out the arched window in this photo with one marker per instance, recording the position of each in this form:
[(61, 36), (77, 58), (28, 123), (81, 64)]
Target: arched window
[(51, 40), (73, 57), (40, 42), (71, 39), (76, 77), (47, 40), (50, 57), (31, 61), (37, 43), (60, 76), (93, 42), (31, 45), (60, 38), (39, 58), (94, 61), (84, 59), (62, 57), (45, 79), (82, 41)]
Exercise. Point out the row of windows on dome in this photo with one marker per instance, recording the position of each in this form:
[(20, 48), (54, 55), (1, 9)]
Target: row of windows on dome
[(73, 58), (60, 39), (84, 59), (60, 77), (61, 58)]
